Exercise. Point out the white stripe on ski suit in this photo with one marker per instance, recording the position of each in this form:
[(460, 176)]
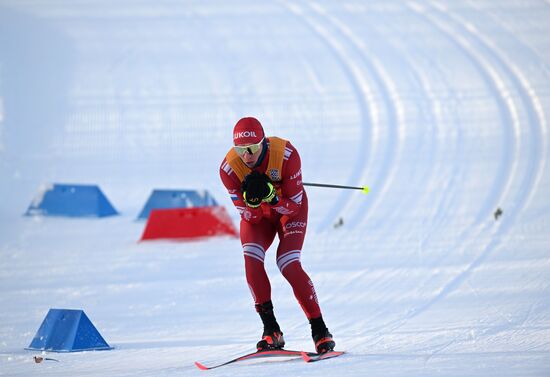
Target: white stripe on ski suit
[(254, 250), (287, 258)]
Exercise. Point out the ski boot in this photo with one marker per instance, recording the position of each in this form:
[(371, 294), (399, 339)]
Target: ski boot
[(271, 340), (272, 337), (322, 338)]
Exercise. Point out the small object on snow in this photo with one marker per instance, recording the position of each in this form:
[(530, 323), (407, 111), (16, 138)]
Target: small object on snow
[(498, 213), (39, 359), (339, 223)]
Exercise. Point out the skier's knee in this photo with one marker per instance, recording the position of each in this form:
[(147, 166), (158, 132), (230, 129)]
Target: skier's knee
[(288, 259)]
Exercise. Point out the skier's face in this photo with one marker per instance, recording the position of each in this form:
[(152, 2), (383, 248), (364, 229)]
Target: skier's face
[(249, 154)]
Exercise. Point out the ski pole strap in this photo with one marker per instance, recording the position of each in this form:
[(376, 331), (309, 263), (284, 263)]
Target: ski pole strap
[(365, 189)]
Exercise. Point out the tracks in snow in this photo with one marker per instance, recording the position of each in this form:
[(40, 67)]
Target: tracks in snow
[(366, 77), (523, 127), (498, 73)]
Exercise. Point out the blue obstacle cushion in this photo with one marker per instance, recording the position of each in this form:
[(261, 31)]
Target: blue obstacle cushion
[(168, 199), (71, 200), (67, 330)]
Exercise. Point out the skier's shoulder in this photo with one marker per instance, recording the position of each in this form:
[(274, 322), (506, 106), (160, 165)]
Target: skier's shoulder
[(224, 166), (284, 144), (291, 160), (291, 157), (227, 173), (228, 161)]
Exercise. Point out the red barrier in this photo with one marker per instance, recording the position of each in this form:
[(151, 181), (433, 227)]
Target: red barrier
[(188, 223)]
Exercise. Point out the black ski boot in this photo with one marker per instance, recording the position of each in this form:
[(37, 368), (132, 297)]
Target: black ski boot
[(272, 337), (321, 336)]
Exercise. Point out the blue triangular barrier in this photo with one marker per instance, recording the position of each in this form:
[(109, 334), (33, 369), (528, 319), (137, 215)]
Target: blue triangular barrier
[(66, 330), (166, 199), (71, 200)]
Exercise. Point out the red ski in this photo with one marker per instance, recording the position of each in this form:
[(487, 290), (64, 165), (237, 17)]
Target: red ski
[(258, 354), (312, 357)]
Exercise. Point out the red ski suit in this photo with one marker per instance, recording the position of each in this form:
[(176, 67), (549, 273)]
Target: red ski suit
[(287, 219)]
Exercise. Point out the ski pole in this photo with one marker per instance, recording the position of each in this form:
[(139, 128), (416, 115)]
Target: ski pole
[(365, 189)]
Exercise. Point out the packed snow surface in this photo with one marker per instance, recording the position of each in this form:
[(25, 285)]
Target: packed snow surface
[(440, 107)]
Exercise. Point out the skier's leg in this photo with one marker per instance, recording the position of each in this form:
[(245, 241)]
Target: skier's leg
[(292, 233), (256, 239)]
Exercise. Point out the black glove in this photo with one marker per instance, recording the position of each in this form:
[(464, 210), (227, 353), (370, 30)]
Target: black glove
[(257, 187)]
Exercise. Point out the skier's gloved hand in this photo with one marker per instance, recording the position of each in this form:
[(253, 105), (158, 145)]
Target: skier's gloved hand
[(271, 197), (257, 188), (252, 201), (252, 188)]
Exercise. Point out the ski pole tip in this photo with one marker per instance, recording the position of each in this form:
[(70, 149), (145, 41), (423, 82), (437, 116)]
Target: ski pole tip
[(200, 366)]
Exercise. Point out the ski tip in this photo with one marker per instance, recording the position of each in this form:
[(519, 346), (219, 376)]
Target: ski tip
[(200, 366), (306, 357)]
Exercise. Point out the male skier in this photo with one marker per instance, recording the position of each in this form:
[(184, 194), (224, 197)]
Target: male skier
[(264, 179)]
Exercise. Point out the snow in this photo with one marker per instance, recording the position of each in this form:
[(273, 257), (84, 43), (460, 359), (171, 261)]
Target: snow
[(440, 107)]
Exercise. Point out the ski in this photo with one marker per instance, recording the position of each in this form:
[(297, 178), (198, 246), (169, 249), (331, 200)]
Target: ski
[(256, 355), (312, 357)]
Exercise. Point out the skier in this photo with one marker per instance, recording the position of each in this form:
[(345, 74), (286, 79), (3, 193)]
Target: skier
[(264, 179)]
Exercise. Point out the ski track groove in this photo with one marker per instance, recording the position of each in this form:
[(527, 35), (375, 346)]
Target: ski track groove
[(535, 121), (535, 56), (429, 116), (535, 114), (443, 202), (364, 97), (509, 112), (395, 126), (529, 183)]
